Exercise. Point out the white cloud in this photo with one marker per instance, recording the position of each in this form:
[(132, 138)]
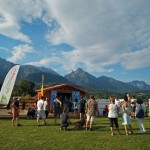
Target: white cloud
[(103, 33), (19, 52), (136, 60), (4, 49), (13, 12)]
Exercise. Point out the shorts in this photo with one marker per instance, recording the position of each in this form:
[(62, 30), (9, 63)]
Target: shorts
[(57, 113), (90, 117), (114, 121), (82, 111), (15, 113), (41, 114)]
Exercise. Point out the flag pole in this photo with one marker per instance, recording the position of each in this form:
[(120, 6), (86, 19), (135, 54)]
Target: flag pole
[(42, 86)]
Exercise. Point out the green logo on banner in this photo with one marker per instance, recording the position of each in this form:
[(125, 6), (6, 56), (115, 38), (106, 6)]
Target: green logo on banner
[(3, 99)]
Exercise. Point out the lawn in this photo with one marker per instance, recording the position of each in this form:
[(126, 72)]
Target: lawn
[(31, 137)]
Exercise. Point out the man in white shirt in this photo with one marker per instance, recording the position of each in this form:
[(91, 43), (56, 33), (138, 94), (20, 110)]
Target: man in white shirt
[(40, 111), (45, 107)]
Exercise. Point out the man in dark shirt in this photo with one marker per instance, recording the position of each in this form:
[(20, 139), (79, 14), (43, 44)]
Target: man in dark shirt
[(82, 108), (15, 112), (64, 120), (57, 108)]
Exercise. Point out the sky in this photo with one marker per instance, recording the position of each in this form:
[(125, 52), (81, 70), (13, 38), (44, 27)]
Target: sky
[(110, 38)]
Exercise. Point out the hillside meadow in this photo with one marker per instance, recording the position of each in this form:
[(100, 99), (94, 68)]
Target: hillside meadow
[(50, 137)]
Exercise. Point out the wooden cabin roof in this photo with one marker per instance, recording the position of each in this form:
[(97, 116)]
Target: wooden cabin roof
[(60, 86)]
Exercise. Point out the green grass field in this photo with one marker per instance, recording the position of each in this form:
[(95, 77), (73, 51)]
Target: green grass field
[(31, 137)]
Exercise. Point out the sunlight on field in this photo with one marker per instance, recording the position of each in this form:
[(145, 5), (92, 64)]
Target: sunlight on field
[(49, 137)]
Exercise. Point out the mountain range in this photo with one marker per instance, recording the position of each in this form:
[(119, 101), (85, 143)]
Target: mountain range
[(78, 77), (82, 78)]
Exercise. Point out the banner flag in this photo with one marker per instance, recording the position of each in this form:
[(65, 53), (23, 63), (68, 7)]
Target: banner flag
[(8, 84), (42, 93), (53, 95), (75, 98)]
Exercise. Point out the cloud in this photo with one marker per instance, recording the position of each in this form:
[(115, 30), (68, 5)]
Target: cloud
[(102, 32), (4, 49), (19, 52), (136, 60), (13, 13)]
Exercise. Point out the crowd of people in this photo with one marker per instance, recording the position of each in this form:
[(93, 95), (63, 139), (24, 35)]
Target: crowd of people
[(87, 110)]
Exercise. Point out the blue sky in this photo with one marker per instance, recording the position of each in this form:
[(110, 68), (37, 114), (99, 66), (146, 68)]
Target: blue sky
[(108, 38)]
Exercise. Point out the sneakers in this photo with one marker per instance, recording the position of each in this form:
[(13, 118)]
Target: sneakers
[(65, 128), (90, 129), (142, 132), (112, 134), (131, 132), (45, 123), (18, 125)]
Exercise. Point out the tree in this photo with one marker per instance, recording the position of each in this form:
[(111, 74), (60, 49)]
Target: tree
[(24, 88)]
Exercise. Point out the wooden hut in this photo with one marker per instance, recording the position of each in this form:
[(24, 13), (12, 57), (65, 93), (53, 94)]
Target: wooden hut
[(62, 91)]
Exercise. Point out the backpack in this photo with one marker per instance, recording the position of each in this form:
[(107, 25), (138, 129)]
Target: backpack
[(140, 114)]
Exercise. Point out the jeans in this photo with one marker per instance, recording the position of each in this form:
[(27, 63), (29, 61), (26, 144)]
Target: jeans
[(141, 125)]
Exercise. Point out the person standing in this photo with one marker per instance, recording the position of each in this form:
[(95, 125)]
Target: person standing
[(40, 111), (126, 120), (70, 105), (140, 106), (82, 108), (129, 97), (133, 106), (118, 103), (75, 103), (91, 109), (15, 112), (57, 108), (23, 104), (66, 104), (105, 112), (113, 116), (45, 107)]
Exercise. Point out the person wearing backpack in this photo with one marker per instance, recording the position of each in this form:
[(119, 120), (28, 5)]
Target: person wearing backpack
[(140, 114)]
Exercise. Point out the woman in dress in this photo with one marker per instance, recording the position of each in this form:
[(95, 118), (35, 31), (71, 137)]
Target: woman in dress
[(126, 110)]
